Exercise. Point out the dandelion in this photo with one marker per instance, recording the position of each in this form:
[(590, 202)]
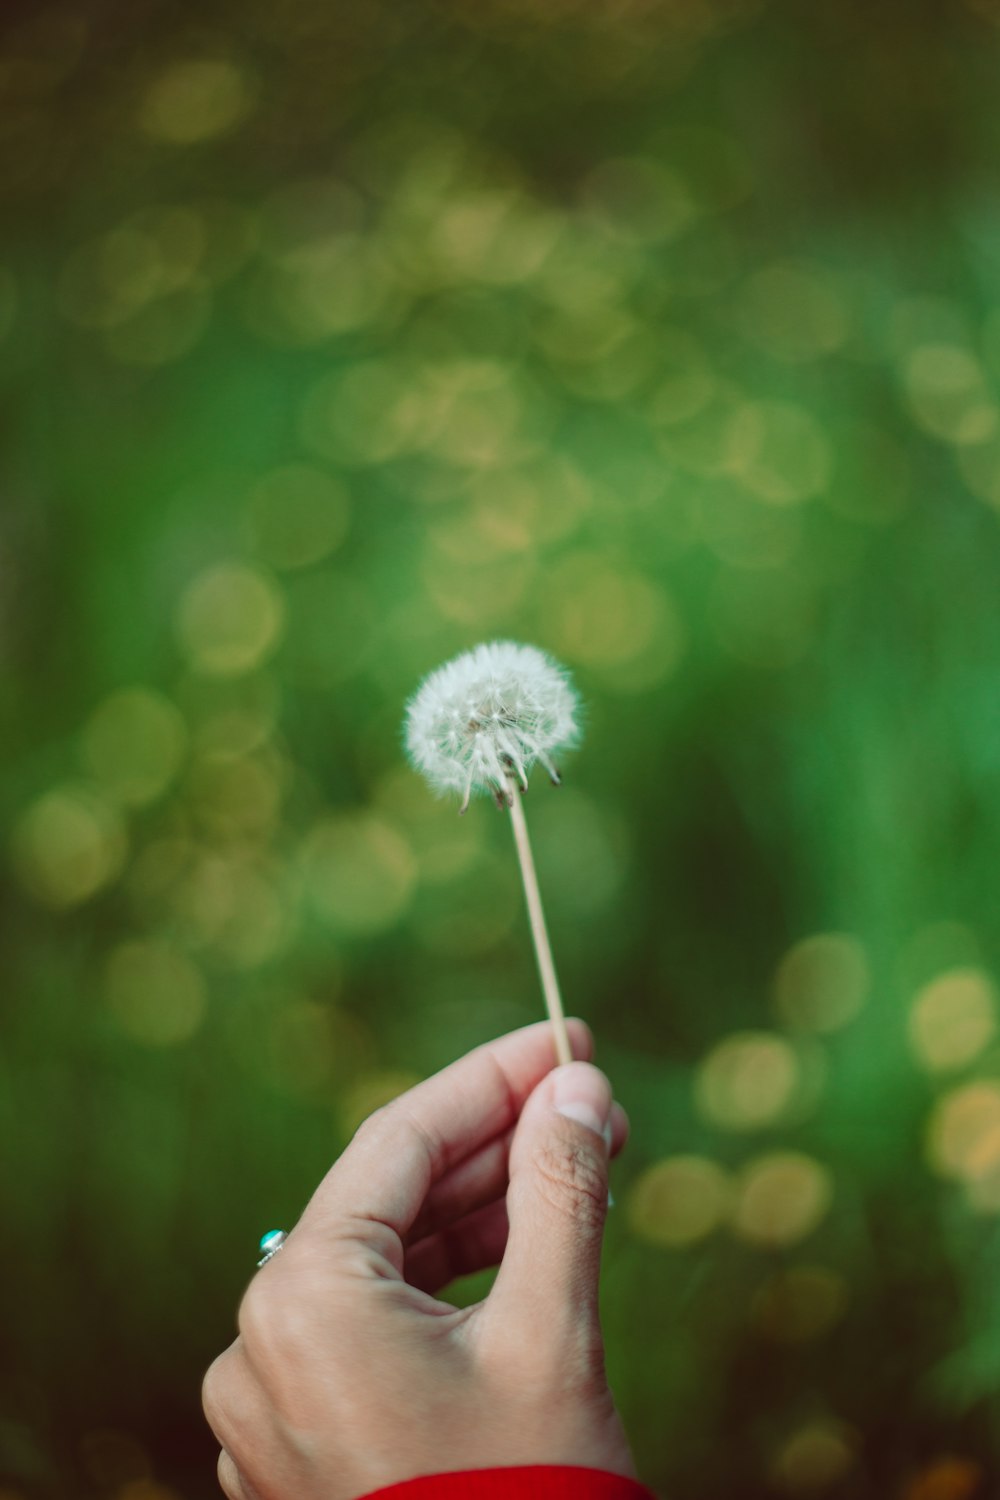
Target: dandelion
[(479, 724)]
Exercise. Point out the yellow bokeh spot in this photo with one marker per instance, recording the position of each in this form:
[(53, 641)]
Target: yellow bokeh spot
[(322, 289), (520, 509), (964, 1132), (778, 451), (259, 923), (953, 1018), (133, 745), (614, 620), (946, 1479), (298, 515), (948, 393), (781, 1198), (679, 1201), (822, 982), (230, 620), (814, 1458), (495, 235), (155, 991), (485, 596), (371, 1092), (794, 311), (800, 1304), (747, 1081), (473, 413), (367, 414), (360, 872), (237, 906), (195, 100), (67, 846)]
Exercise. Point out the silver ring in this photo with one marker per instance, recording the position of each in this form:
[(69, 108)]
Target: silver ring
[(270, 1243)]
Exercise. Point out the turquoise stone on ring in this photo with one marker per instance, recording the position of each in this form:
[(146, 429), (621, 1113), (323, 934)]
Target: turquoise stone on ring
[(270, 1244)]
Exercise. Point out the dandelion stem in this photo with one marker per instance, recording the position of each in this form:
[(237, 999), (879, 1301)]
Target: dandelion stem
[(546, 968)]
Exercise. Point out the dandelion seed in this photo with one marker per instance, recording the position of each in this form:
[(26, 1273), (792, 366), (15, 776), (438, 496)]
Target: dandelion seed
[(479, 724)]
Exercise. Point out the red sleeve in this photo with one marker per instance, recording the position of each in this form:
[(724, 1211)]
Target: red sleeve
[(540, 1482)]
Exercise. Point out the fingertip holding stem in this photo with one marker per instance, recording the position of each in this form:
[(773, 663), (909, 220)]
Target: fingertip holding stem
[(581, 1092)]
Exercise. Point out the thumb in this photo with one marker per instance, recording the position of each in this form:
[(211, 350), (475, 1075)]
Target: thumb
[(556, 1205)]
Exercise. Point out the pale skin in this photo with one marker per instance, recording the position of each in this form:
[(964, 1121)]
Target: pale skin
[(350, 1373)]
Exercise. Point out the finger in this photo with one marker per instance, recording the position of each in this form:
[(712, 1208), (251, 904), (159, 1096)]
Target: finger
[(230, 1481), (557, 1204), (483, 1178), (474, 1244), (233, 1400), (380, 1182)]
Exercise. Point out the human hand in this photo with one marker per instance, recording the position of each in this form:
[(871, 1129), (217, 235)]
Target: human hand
[(349, 1374)]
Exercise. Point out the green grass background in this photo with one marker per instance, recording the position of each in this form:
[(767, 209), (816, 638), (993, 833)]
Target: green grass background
[(335, 339)]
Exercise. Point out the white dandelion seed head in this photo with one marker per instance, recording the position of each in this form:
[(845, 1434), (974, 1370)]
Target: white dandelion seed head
[(488, 714)]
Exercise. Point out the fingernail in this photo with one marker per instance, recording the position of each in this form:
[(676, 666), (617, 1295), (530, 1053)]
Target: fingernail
[(582, 1093)]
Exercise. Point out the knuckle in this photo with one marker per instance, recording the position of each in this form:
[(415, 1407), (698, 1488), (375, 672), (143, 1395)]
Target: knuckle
[(258, 1319), (214, 1393), (277, 1317), (368, 1125), (572, 1181)]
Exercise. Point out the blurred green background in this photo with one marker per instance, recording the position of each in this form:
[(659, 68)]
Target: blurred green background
[(335, 339)]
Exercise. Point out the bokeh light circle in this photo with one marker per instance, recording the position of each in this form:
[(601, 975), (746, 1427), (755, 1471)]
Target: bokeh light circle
[(155, 992), (963, 1138), (360, 872), (822, 982), (67, 846), (953, 1018), (679, 1201), (814, 1458), (133, 745), (195, 99), (230, 619), (781, 1198), (747, 1081), (298, 515), (799, 1304)]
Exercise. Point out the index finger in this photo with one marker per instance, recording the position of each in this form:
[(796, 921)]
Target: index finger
[(386, 1172)]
